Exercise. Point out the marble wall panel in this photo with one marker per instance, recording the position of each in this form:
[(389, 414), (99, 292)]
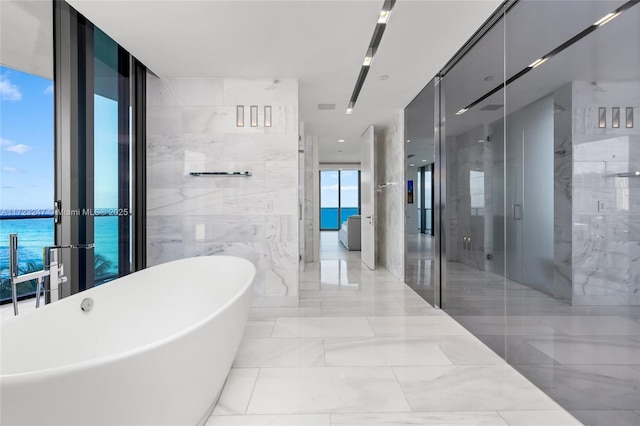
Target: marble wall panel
[(192, 127), (390, 200), (261, 92)]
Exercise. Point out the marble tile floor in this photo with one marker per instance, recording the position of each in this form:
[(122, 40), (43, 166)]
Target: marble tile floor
[(364, 349)]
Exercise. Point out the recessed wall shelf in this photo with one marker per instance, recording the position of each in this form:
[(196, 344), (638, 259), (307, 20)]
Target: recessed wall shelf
[(244, 174)]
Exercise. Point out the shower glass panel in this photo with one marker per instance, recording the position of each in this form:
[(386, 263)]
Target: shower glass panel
[(541, 200), (572, 306), (420, 150), (474, 175)]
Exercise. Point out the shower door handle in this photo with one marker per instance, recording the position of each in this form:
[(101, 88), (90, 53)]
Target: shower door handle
[(517, 212)]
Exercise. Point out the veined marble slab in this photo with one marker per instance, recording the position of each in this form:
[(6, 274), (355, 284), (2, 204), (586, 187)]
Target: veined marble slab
[(271, 420), (322, 327), (382, 351), (329, 389), (236, 391), (297, 352), (473, 388)]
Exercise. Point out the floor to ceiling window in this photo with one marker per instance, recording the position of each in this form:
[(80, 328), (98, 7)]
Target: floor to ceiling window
[(26, 137), (97, 100), (71, 142), (339, 197)]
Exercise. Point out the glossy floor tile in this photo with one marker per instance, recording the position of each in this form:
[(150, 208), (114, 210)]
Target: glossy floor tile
[(381, 351), (237, 391), (271, 420), (273, 352), (363, 348), (475, 388), (472, 418), (327, 390), (322, 327)]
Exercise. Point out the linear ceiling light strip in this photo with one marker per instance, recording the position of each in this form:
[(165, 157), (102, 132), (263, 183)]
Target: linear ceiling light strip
[(604, 20), (383, 19)]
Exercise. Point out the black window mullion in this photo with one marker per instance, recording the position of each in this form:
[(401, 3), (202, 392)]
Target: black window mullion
[(124, 140), (85, 157), (140, 168)]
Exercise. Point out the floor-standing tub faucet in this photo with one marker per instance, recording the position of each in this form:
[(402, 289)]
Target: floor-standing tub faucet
[(50, 255), (47, 279), (14, 275)]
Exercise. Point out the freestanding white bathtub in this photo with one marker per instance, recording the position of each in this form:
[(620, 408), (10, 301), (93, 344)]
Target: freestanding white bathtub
[(155, 349)]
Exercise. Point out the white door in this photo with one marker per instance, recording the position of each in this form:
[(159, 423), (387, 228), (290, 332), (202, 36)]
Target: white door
[(368, 197)]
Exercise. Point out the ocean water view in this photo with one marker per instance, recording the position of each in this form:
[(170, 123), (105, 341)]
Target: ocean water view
[(329, 216), (35, 233)]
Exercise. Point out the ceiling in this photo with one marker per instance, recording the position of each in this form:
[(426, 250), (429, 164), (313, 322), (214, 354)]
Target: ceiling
[(320, 42), (26, 36)]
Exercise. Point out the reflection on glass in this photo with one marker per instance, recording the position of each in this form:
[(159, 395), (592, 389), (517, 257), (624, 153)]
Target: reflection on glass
[(541, 203), (419, 258)]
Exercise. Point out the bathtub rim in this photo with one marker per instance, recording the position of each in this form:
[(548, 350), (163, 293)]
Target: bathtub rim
[(10, 379)]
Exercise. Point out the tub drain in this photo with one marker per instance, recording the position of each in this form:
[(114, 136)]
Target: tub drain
[(87, 304)]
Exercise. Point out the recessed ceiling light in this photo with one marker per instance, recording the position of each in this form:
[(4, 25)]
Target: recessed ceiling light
[(424, 161), (408, 140), (384, 77), (340, 140), (412, 165)]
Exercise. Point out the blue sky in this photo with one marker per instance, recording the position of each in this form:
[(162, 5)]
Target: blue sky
[(26, 143), (26, 139), (329, 188)]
